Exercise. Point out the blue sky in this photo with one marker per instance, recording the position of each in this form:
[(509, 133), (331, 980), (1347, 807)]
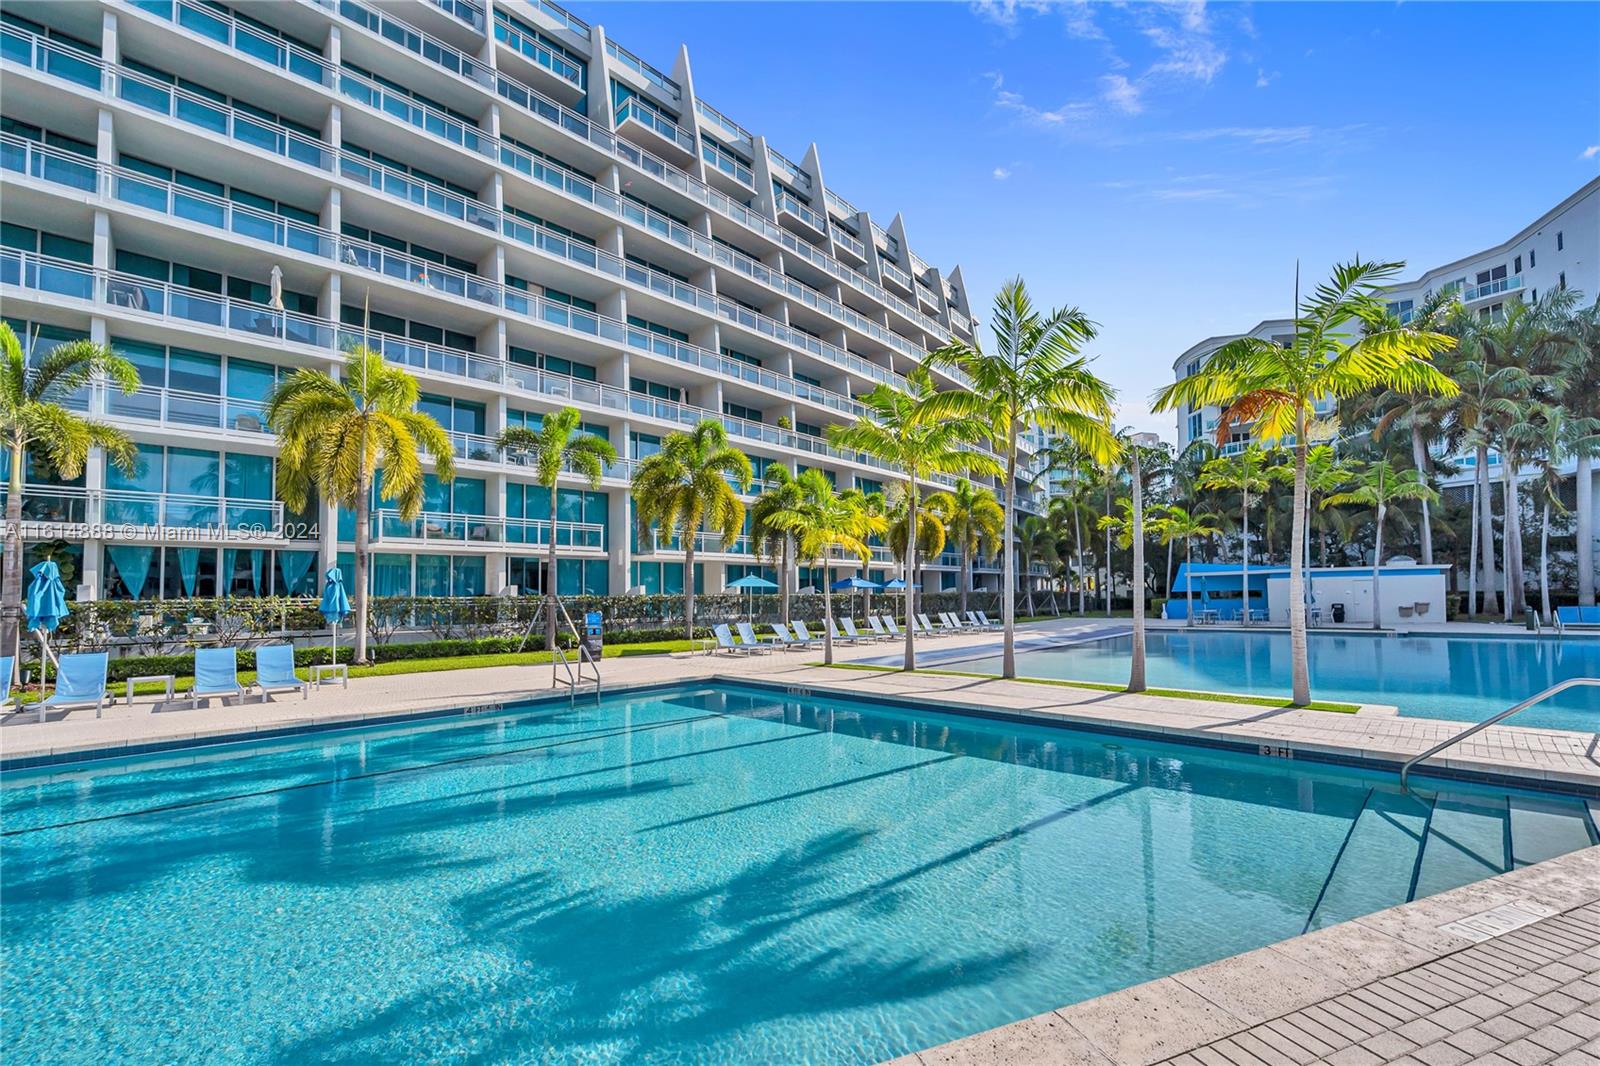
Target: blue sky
[(1160, 165)]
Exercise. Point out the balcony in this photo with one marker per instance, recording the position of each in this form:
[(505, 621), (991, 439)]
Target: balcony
[(561, 73), (812, 225), (734, 133), (666, 85), (405, 36), (1493, 288), (725, 163), (218, 25), (181, 409), (466, 530), (894, 274), (198, 111), (659, 131), (434, 123), (51, 512), (59, 61), (853, 245)]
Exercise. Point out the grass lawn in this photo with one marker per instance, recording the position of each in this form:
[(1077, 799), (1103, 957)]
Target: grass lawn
[(422, 666), (1095, 686)]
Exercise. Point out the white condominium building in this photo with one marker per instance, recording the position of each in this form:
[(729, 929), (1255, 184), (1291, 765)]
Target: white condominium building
[(495, 194), (1559, 250)]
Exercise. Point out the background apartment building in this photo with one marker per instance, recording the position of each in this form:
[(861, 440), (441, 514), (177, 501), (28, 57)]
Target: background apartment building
[(497, 196)]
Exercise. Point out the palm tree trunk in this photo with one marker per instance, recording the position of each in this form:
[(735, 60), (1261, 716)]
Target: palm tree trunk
[(911, 569), (1485, 509), (1188, 584), (1472, 555), (1027, 576), (1107, 566), (1544, 564), (1077, 547), (1585, 544), (1298, 652), (363, 554), (1244, 557), (1008, 566), (1377, 561), (11, 591), (966, 573), (1136, 586), (1419, 457), (688, 581), (827, 617), (787, 577), (1171, 547), (550, 604), (1510, 538)]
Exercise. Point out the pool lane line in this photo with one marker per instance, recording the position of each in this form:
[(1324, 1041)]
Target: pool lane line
[(796, 795), (322, 782)]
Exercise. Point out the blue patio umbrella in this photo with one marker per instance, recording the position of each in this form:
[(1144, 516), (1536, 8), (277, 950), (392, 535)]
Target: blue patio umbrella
[(852, 583), (46, 606), (895, 583), (335, 604), (750, 583)]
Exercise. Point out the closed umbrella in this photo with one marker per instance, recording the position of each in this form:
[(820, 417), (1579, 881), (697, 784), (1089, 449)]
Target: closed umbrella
[(46, 605), (275, 301), (335, 604), (750, 583)]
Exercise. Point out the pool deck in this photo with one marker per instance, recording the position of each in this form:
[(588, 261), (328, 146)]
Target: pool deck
[(1392, 987)]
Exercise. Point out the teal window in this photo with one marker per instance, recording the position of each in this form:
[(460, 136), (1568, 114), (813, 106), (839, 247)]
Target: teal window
[(657, 328), (739, 410)]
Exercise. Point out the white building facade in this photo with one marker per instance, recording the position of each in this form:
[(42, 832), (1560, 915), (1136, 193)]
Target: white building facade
[(1559, 250), (495, 194)]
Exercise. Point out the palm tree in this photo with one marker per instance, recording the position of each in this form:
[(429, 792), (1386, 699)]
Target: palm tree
[(1377, 485), (1035, 379), (823, 521), (1556, 433), (1277, 388), (901, 428), (1579, 375), (931, 531), (686, 485), (336, 434), (1036, 540), (32, 417), (768, 540), (1178, 524), (558, 444), (972, 518), (1244, 472)]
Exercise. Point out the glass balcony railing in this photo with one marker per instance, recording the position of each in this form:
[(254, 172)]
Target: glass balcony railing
[(219, 25), (644, 70), (651, 119), (468, 11), (735, 168), (895, 274), (419, 193), (435, 277), (435, 527), (572, 23), (540, 55), (198, 111), (1493, 288), (790, 171), (844, 239), (789, 204), (735, 133), (433, 122), (34, 160), (842, 209), (406, 36), (30, 50), (176, 407)]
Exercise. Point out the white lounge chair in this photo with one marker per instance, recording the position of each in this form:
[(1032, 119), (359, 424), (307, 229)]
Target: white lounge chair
[(975, 617), (985, 619), (950, 622), (804, 635), (876, 625), (787, 639), (928, 629), (851, 631), (725, 641), (893, 627), (840, 638), (749, 640)]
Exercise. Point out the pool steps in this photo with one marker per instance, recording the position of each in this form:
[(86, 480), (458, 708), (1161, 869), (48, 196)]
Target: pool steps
[(1451, 840)]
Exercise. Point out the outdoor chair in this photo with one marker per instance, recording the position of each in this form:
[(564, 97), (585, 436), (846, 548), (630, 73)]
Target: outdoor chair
[(275, 671), (1405, 610), (948, 621), (853, 633), (876, 625), (749, 640), (979, 623), (7, 667), (216, 673), (840, 638), (804, 634), (1421, 607), (80, 682), (725, 641), (985, 619), (893, 627), (786, 639), (927, 626)]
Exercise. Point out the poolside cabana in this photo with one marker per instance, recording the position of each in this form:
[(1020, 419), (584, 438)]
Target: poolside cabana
[(1409, 593)]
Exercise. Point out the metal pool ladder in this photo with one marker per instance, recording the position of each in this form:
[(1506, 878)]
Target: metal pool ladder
[(1562, 686)]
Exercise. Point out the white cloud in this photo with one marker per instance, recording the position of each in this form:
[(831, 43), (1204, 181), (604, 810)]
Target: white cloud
[(1121, 94), (1263, 135), (1263, 79), (1006, 13), (1001, 173), (1590, 152)]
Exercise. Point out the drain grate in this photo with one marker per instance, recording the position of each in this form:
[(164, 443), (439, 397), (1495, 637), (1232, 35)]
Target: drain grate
[(1498, 921)]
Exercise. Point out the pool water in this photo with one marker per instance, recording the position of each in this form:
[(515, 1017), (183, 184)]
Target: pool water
[(707, 875), (1465, 679)]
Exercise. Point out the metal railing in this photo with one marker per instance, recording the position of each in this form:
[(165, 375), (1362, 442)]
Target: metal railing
[(1572, 682)]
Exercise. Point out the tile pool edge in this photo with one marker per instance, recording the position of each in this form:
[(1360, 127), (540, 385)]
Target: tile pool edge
[(1459, 769), (1169, 1017)]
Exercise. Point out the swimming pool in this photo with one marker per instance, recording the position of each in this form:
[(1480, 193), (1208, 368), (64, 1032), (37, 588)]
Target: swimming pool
[(714, 874), (1464, 679)]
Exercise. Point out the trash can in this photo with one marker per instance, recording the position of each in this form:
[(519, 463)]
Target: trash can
[(1338, 612)]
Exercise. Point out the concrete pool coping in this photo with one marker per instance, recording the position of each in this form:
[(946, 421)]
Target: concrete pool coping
[(1419, 983)]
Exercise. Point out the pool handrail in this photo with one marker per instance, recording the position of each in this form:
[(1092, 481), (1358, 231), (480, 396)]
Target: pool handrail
[(1561, 686)]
